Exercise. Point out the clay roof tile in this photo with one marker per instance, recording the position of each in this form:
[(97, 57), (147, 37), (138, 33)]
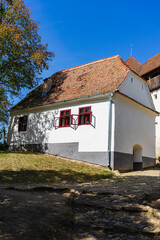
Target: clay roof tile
[(150, 65), (133, 64), (93, 78)]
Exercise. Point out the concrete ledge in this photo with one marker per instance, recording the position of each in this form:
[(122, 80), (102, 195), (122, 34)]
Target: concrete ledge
[(148, 162), (123, 161)]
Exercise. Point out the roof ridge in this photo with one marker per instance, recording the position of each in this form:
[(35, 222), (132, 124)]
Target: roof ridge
[(143, 71), (86, 64), (122, 63), (129, 59), (151, 58), (140, 69)]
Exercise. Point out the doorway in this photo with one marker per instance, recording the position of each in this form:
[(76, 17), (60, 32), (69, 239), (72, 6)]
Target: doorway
[(137, 158)]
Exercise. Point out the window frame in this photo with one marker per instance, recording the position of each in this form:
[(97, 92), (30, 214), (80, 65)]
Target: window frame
[(85, 114), (65, 116), (20, 122)]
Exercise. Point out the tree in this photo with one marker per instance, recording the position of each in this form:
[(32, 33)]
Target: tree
[(3, 106), (3, 135), (22, 55)]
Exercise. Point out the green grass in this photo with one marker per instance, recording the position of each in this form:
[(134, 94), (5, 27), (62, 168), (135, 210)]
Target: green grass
[(17, 167)]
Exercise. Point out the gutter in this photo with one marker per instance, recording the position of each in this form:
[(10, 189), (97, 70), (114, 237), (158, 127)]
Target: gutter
[(109, 129), (40, 106)]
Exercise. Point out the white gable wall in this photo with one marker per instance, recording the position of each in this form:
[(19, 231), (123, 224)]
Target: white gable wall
[(137, 89), (156, 99), (134, 125)]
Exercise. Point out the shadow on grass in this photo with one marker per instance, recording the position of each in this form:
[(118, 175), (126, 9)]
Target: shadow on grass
[(19, 152), (50, 176)]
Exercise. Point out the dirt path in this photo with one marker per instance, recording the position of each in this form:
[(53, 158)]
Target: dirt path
[(128, 208)]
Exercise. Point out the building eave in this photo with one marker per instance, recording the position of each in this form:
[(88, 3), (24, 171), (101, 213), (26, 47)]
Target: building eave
[(43, 107), (157, 113)]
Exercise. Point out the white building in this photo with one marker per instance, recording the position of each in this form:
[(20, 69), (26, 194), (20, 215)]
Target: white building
[(150, 71), (101, 112)]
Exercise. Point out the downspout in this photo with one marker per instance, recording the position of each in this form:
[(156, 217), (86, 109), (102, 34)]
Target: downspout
[(109, 129)]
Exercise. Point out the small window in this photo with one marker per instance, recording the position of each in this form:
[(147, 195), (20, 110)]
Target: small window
[(131, 79), (65, 118), (155, 96), (47, 87), (84, 117), (22, 126)]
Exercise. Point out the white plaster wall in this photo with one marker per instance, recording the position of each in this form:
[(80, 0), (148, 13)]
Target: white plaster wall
[(137, 89), (40, 128), (134, 124), (38, 125), (156, 99)]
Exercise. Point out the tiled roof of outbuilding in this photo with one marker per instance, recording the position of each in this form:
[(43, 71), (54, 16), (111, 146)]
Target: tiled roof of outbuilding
[(150, 65), (89, 79), (133, 64)]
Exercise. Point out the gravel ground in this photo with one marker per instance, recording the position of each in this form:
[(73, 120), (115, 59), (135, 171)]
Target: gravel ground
[(127, 207)]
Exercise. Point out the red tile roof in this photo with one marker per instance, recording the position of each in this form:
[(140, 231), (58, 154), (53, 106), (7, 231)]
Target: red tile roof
[(133, 64), (150, 65), (89, 79)]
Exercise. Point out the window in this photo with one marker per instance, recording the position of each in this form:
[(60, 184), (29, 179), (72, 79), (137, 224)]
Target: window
[(84, 117), (22, 126), (155, 96), (65, 118)]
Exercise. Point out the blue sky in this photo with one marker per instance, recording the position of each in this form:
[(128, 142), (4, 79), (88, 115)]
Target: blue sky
[(82, 31)]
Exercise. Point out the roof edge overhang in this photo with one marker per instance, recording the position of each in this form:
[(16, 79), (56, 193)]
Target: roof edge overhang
[(154, 89), (106, 95), (149, 60), (157, 113)]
